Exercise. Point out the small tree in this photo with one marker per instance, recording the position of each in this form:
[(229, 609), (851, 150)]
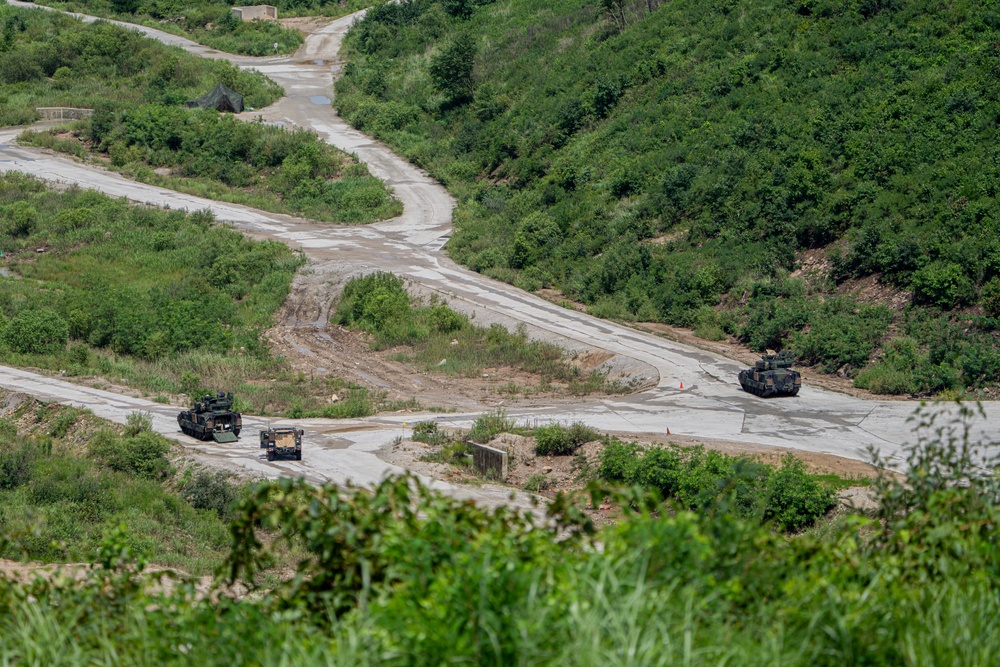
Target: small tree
[(36, 332), (451, 70), (125, 6)]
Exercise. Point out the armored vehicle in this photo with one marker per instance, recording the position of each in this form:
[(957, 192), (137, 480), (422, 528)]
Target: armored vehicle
[(772, 376), (212, 419), (282, 442)]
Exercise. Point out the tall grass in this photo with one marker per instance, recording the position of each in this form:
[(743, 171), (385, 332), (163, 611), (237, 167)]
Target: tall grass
[(442, 340)]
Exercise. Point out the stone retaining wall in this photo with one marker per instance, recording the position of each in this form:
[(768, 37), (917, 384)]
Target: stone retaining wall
[(489, 461)]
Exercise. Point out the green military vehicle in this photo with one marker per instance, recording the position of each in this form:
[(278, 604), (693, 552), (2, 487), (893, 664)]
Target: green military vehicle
[(282, 443), (212, 419), (772, 376)]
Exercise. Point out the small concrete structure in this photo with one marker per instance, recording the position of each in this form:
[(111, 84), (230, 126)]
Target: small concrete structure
[(489, 461), (63, 113), (255, 12)]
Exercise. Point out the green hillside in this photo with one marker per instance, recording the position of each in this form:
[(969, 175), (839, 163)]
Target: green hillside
[(740, 167), (49, 59)]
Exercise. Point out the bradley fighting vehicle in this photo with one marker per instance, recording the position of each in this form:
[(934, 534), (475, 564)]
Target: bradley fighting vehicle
[(772, 376), (282, 442), (212, 419)]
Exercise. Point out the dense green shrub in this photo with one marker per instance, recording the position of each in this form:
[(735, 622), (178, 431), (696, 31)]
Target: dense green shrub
[(36, 331), (491, 424), (795, 498), (559, 440), (788, 496), (942, 284), (211, 491), (142, 454), (17, 460), (379, 304)]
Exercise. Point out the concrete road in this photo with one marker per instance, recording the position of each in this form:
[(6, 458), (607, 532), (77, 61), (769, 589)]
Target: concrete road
[(710, 405)]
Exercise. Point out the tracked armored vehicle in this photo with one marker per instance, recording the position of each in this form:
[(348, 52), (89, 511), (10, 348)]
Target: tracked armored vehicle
[(212, 419), (772, 376), (282, 443)]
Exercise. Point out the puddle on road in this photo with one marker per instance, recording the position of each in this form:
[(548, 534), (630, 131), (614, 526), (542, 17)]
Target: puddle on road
[(320, 99)]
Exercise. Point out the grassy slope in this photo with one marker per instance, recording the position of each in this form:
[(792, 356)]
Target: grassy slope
[(442, 340), (62, 499), (50, 59), (672, 170), (162, 301)]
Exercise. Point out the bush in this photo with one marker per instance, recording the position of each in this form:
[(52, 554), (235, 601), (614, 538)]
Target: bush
[(557, 440), (138, 422), (17, 460), (491, 424), (796, 498), (990, 298), (211, 491), (942, 284), (619, 462), (538, 482), (789, 497), (39, 331), (379, 304), (143, 455), (429, 432)]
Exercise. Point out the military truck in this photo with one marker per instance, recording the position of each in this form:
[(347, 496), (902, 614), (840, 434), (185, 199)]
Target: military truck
[(772, 376), (212, 419), (282, 443)]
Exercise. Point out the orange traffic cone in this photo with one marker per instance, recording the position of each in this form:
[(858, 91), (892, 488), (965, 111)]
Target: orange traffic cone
[(682, 385)]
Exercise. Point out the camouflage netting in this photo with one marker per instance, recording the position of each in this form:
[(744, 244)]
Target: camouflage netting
[(220, 98)]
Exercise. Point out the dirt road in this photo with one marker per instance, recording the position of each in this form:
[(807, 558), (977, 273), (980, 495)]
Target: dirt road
[(710, 404)]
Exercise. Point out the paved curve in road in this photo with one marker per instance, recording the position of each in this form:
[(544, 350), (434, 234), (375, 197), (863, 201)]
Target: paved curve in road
[(710, 405)]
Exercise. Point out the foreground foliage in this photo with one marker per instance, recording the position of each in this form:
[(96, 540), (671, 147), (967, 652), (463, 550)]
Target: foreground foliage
[(702, 480), (49, 59), (676, 161), (401, 575)]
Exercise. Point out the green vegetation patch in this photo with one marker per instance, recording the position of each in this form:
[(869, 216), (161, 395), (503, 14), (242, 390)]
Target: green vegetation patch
[(703, 480), (443, 340), (216, 156), (67, 481), (162, 301), (674, 162), (48, 59)]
